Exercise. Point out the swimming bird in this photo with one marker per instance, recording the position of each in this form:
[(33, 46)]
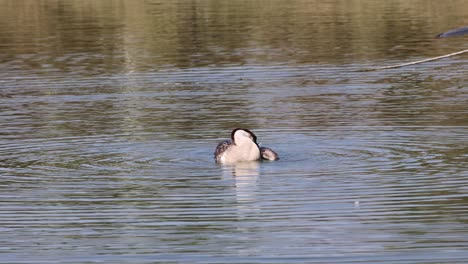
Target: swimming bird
[(242, 147), (454, 32)]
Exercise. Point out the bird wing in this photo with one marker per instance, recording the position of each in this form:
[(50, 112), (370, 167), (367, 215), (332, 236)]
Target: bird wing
[(268, 154), (222, 146)]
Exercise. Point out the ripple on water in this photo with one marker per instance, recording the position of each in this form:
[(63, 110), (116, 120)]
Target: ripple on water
[(108, 129), (83, 191)]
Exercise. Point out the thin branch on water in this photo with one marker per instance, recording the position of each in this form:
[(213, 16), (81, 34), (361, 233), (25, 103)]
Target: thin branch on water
[(416, 62)]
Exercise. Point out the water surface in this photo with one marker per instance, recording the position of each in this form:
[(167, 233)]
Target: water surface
[(110, 112)]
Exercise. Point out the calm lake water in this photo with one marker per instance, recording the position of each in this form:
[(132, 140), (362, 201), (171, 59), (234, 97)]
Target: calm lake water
[(111, 110)]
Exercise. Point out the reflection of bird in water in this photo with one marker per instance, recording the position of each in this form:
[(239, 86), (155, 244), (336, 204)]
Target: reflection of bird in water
[(242, 147), (454, 32)]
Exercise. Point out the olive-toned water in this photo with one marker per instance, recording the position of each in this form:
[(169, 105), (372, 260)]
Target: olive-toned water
[(110, 112)]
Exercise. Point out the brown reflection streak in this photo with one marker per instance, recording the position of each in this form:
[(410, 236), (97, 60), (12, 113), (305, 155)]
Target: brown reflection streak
[(193, 33)]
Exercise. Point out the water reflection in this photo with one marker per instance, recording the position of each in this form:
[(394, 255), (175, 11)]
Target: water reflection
[(89, 39), (244, 175), (110, 111)]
